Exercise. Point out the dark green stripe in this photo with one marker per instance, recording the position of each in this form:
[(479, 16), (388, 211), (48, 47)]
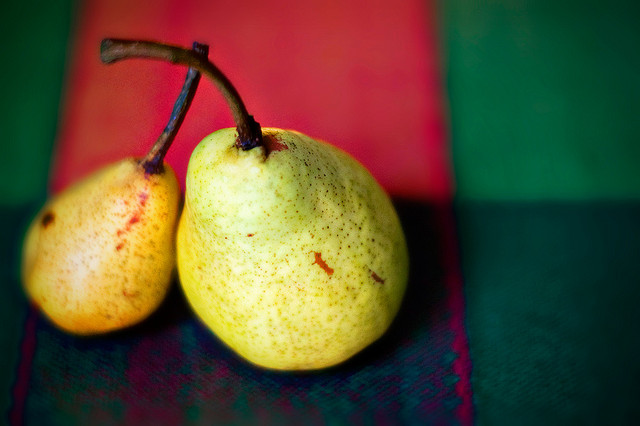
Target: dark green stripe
[(34, 39), (544, 98), (552, 294), (33, 45)]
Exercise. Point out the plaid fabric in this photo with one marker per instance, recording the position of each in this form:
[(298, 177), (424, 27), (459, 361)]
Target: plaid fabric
[(172, 370)]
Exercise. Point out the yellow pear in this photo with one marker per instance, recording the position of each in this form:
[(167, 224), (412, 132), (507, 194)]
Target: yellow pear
[(290, 252), (100, 255), (287, 248)]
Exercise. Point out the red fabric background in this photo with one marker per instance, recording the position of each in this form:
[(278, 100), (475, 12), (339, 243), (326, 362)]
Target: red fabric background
[(362, 75)]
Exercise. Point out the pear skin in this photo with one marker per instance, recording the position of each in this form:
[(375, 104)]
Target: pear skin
[(291, 252), (99, 256)]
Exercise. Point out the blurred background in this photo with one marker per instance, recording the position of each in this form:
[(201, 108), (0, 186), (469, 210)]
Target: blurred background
[(521, 116), (363, 76)]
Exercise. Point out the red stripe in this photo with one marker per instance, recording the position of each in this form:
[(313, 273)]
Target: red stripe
[(462, 364), (27, 352), (362, 75)]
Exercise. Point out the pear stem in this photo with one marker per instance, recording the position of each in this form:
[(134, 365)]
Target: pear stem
[(249, 131), (153, 161)]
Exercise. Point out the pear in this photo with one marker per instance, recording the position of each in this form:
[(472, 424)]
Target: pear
[(100, 255), (290, 252), (287, 247)]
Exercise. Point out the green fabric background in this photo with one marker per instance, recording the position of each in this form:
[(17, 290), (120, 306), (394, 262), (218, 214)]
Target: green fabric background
[(545, 98), (33, 44), (544, 105)]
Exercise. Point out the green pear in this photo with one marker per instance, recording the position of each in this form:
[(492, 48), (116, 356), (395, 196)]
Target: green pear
[(287, 247), (100, 255), (290, 252)]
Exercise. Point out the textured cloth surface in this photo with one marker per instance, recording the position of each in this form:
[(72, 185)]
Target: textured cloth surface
[(172, 370), (552, 292)]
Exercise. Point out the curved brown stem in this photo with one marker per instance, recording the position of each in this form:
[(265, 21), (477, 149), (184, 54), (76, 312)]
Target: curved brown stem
[(249, 131), (152, 162)]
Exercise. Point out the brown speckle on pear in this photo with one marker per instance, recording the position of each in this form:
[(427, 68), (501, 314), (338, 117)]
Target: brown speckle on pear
[(376, 278), (47, 219), (321, 263), (143, 198)]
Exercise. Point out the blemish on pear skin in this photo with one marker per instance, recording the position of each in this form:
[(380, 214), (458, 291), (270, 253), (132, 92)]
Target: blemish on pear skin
[(48, 219), (321, 263), (125, 293), (250, 235), (135, 218), (272, 143), (119, 246), (376, 278)]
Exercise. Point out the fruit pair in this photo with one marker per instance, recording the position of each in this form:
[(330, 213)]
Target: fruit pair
[(287, 248)]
